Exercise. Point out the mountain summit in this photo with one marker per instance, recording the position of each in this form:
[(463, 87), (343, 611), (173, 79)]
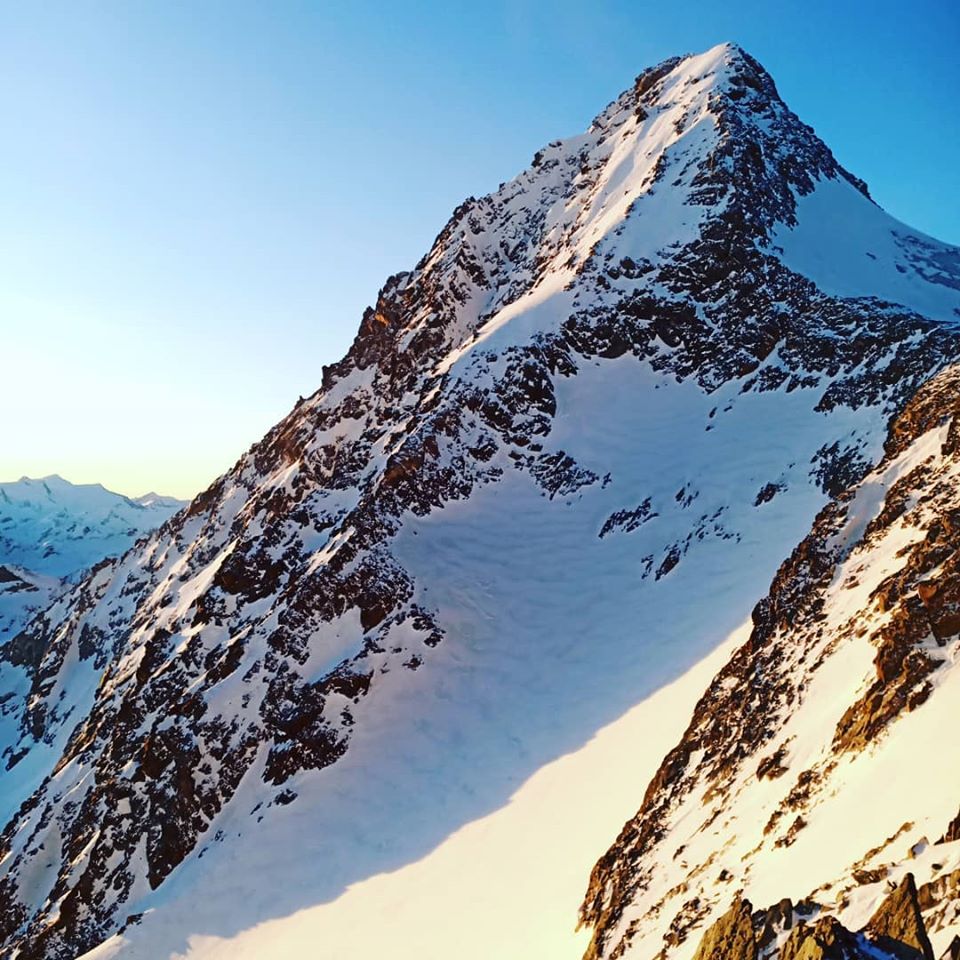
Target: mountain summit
[(560, 464)]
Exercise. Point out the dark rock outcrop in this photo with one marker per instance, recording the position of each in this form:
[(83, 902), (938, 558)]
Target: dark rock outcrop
[(896, 932)]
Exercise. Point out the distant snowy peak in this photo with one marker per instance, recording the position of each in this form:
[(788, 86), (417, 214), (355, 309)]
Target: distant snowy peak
[(56, 528), (157, 500), (51, 530)]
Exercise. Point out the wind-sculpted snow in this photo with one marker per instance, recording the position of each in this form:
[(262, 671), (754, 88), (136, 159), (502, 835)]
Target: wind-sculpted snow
[(602, 392)]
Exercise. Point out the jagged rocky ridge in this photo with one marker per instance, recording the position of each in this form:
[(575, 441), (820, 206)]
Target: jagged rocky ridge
[(822, 763), (592, 341)]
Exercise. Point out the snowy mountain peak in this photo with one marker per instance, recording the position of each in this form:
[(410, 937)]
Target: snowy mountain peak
[(624, 379), (700, 149), (153, 499)]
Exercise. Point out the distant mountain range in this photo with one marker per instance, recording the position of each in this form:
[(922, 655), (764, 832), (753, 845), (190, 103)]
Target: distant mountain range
[(57, 528), (52, 531)]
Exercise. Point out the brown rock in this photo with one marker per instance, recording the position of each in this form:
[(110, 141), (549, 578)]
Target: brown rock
[(898, 928), (772, 920), (827, 939), (730, 937), (941, 598), (953, 830), (945, 887)]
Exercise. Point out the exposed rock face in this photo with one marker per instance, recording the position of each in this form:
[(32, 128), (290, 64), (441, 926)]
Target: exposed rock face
[(896, 932), (826, 939), (246, 647), (953, 831)]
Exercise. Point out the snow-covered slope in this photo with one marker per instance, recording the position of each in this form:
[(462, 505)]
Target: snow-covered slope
[(23, 594), (57, 529), (854, 249), (603, 392), (822, 764)]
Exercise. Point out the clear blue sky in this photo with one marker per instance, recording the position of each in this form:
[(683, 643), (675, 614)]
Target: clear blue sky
[(199, 198)]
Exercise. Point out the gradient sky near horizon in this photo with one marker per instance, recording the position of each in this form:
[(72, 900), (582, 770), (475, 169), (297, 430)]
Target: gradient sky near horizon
[(199, 198)]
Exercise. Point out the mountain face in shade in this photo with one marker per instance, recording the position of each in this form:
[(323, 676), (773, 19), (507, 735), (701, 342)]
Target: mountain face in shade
[(562, 461), (23, 594)]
